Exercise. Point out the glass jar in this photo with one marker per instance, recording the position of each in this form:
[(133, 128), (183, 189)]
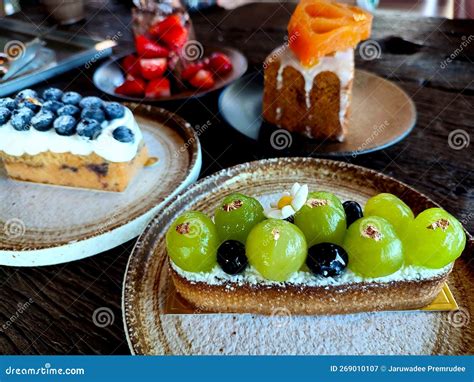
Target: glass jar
[(149, 12)]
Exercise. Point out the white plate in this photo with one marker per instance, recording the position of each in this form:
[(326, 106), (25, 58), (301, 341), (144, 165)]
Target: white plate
[(45, 225)]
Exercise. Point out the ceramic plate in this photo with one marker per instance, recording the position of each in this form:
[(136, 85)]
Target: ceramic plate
[(110, 75), (147, 284), (382, 114), (44, 225)]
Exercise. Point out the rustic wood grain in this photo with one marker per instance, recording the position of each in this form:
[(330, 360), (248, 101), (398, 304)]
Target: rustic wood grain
[(59, 320)]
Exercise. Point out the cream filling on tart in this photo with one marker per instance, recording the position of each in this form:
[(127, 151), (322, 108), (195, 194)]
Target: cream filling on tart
[(251, 276), (33, 142), (341, 64)]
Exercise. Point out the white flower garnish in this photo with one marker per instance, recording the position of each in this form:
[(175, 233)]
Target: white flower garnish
[(289, 203)]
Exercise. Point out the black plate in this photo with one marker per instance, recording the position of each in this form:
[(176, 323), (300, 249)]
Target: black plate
[(110, 75), (382, 114)]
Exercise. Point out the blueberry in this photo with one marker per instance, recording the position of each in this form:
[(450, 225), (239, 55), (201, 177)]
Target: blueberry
[(231, 257), (353, 211), (8, 102), (52, 94), (21, 119), (327, 259), (71, 98), (114, 110), (53, 106), (123, 134), (27, 93), (65, 125), (93, 113), (91, 102), (5, 115), (69, 110), (31, 103), (43, 121), (89, 128)]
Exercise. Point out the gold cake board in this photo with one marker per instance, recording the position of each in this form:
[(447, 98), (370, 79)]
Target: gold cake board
[(443, 302)]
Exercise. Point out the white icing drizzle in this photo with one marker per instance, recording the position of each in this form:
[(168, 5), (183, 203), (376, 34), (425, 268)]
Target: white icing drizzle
[(278, 113), (33, 142), (341, 63)]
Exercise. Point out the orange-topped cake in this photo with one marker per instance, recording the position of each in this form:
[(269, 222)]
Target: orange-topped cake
[(308, 82)]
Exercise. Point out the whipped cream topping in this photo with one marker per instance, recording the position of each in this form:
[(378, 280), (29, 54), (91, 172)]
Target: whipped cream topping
[(33, 142), (341, 63), (302, 278)]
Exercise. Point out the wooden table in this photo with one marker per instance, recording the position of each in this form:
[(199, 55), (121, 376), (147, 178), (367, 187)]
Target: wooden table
[(50, 310)]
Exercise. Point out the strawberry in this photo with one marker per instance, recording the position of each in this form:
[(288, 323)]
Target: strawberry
[(149, 49), (132, 88), (191, 69), (175, 38), (220, 63), (159, 87), (170, 31), (202, 79), (153, 67), (130, 65), (161, 27)]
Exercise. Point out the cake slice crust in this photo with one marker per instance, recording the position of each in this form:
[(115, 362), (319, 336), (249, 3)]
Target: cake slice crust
[(80, 171), (312, 103), (309, 300)]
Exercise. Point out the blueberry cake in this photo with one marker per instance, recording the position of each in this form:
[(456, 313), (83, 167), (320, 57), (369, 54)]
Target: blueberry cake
[(62, 138), (308, 253)]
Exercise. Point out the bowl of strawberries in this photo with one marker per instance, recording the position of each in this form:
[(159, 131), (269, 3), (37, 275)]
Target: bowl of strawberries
[(169, 64)]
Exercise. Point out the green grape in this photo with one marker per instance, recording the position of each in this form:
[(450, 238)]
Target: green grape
[(391, 208), (236, 216), (373, 247), (192, 242), (322, 219), (434, 239), (276, 248)]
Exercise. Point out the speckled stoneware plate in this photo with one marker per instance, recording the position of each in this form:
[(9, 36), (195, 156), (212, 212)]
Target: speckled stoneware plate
[(147, 283), (110, 75), (382, 114), (44, 225)]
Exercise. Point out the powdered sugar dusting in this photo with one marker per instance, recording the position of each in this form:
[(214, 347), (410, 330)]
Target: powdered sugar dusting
[(242, 334)]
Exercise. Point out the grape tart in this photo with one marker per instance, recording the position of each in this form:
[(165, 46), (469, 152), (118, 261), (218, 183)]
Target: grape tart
[(62, 138), (378, 258)]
